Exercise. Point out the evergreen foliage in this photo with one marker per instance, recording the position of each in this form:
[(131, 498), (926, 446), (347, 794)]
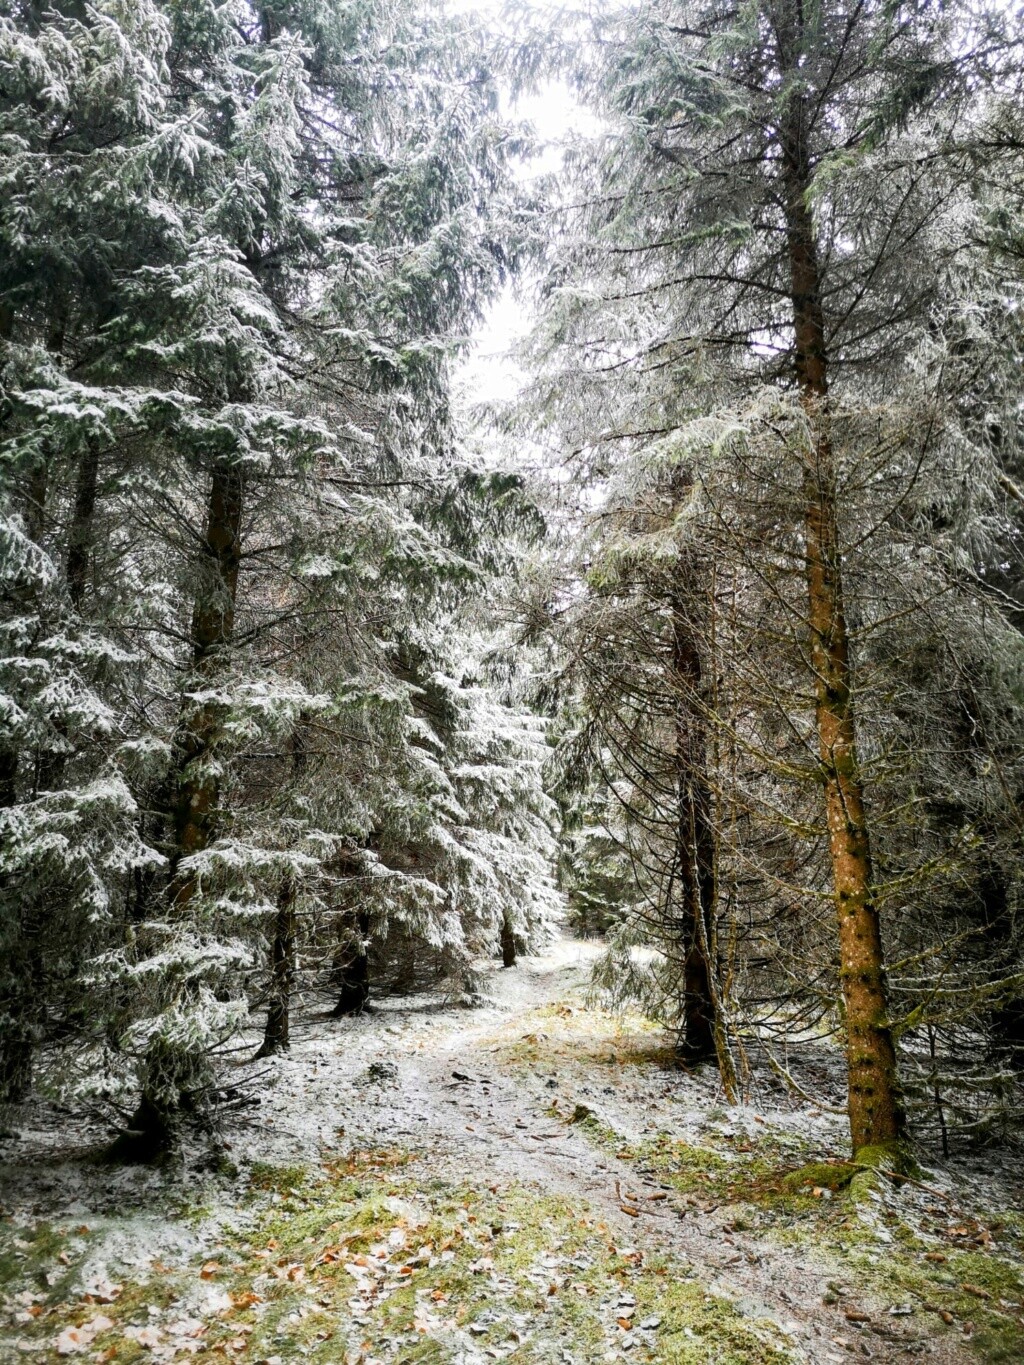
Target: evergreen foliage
[(766, 341), (239, 247)]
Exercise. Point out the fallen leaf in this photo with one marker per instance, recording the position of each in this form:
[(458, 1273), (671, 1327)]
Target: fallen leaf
[(625, 1324), (976, 1290), (209, 1270), (145, 1336)]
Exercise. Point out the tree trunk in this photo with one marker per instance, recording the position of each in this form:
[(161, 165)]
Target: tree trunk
[(194, 785), (702, 1034), (80, 538), (194, 807), (35, 502), (508, 943), (875, 1105), (17, 1050), (354, 974), (275, 1037), (80, 542)]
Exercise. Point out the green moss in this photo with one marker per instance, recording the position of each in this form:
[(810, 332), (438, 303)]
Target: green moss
[(41, 1257), (277, 1179), (759, 1183), (826, 1175)]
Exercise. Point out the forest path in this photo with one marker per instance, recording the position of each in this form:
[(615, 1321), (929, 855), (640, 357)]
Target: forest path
[(490, 1095), (532, 1178)]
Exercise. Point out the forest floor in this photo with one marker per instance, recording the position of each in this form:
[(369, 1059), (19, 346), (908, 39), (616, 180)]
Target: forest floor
[(531, 1180)]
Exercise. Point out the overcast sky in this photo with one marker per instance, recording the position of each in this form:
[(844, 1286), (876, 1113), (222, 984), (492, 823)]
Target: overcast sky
[(487, 373)]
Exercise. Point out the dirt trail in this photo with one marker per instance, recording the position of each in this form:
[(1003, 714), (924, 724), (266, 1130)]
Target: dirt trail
[(500, 1123), (485, 1097)]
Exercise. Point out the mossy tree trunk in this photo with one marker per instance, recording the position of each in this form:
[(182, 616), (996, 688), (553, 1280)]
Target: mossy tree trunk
[(875, 1106), (703, 1034), (80, 539), (196, 786), (695, 848)]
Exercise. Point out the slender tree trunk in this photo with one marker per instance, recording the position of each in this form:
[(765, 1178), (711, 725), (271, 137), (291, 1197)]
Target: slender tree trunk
[(35, 502), (81, 537), (702, 1035), (195, 785), (8, 776), (875, 1106), (194, 809), (508, 943), (275, 1037)]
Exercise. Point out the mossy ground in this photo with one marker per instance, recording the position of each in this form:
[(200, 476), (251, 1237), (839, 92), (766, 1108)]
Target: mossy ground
[(370, 1259), (960, 1274), (965, 1272)]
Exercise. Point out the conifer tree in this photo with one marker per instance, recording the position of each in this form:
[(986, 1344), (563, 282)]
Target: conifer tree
[(738, 305)]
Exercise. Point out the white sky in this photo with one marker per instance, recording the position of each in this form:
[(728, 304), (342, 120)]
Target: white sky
[(487, 373)]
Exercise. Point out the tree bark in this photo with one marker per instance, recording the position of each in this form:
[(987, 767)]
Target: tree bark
[(81, 535), (875, 1104), (702, 1035), (194, 807), (275, 1037), (354, 975), (194, 786), (508, 943)]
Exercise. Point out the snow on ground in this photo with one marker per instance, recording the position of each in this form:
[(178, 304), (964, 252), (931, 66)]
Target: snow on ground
[(535, 1090)]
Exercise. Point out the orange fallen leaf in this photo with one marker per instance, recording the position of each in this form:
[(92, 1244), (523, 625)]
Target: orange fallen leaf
[(625, 1324), (209, 1270)]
